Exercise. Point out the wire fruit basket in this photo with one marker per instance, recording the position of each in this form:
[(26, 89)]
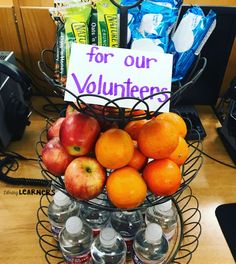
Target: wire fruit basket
[(121, 116), (189, 171), (189, 229), (181, 246)]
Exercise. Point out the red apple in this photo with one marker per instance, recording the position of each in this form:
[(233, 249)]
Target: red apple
[(54, 129), (78, 134), (84, 178), (55, 158)]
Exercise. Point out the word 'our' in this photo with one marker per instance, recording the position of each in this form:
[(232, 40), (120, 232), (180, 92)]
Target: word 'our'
[(129, 60)]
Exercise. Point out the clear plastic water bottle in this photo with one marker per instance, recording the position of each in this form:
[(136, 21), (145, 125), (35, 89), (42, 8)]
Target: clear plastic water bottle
[(94, 217), (59, 210), (165, 215), (150, 245), (75, 240), (127, 224), (108, 247)]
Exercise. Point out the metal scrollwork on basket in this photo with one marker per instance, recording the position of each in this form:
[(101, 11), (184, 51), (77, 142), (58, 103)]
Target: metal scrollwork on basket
[(122, 115)]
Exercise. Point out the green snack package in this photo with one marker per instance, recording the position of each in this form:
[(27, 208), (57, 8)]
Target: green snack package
[(107, 24), (76, 25), (58, 15), (60, 51), (59, 30), (93, 26)]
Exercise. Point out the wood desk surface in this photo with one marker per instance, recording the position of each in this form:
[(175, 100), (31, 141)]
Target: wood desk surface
[(214, 185)]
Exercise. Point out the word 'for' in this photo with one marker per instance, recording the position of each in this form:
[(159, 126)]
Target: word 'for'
[(129, 60)]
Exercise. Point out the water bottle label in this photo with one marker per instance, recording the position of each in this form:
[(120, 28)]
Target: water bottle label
[(55, 231), (96, 231), (82, 259), (137, 260), (129, 243)]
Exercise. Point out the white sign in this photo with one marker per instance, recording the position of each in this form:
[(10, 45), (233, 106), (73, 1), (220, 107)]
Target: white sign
[(117, 73)]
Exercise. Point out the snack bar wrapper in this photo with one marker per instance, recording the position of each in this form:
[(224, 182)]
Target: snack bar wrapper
[(190, 36), (76, 25), (107, 24), (57, 13)]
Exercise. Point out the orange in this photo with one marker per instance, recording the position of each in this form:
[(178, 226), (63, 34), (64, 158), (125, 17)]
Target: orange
[(114, 148), (138, 160), (133, 128), (180, 154), (176, 120), (126, 188), (163, 177), (158, 139), (138, 113)]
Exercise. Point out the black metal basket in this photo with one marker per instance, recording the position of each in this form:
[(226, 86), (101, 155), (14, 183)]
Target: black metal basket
[(189, 228), (189, 171), (181, 246), (121, 116)]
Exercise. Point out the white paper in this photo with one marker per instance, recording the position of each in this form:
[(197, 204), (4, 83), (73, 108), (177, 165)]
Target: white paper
[(117, 73)]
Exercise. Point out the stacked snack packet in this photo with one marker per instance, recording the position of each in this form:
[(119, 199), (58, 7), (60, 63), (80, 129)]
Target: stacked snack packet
[(151, 26), (190, 36), (84, 22)]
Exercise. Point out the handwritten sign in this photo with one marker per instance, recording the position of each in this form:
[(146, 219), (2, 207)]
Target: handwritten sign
[(117, 73)]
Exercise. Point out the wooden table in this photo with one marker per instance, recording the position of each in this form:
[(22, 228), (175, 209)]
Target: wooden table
[(214, 185)]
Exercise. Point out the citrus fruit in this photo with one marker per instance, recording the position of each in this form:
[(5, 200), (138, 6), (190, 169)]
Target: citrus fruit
[(132, 112), (163, 177), (158, 139), (126, 188), (176, 120), (138, 160), (180, 154), (133, 128), (114, 148)]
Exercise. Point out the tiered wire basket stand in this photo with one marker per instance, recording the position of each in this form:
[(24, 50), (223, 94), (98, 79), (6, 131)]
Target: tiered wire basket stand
[(186, 239)]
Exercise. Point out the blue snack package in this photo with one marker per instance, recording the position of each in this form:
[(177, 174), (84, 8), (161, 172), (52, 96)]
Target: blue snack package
[(157, 19), (190, 36)]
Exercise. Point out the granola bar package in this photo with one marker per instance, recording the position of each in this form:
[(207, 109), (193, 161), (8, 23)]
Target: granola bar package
[(60, 66), (107, 24), (76, 25)]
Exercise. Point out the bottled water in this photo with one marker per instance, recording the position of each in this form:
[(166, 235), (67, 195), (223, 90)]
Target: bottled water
[(127, 224), (165, 215), (75, 240), (94, 217), (108, 247), (150, 245), (59, 210)]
